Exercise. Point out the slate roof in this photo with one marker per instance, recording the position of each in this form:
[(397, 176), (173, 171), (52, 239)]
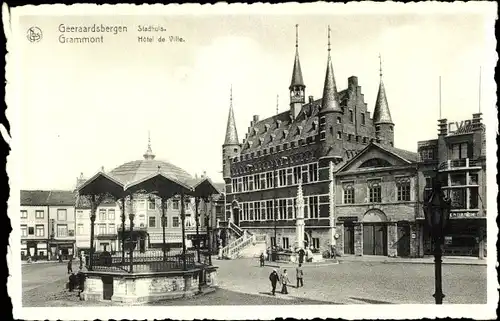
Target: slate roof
[(381, 113), (47, 198), (305, 125), (405, 154)]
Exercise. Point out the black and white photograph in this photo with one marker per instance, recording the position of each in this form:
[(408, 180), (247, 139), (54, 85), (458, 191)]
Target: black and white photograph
[(252, 161)]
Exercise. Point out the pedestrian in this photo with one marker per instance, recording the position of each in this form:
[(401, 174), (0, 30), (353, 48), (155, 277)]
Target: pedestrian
[(300, 276), (72, 282), (301, 256), (284, 282), (70, 265), (274, 278), (261, 259)]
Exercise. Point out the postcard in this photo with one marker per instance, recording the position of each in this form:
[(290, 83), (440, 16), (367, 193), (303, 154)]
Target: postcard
[(252, 161)]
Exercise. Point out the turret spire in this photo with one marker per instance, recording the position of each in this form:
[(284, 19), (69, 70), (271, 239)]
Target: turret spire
[(231, 133), (330, 96), (297, 79), (381, 114), (149, 152)]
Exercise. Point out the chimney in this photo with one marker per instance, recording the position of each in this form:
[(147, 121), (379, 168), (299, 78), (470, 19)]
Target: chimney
[(442, 147), (353, 82), (311, 99), (204, 174), (102, 169), (255, 118)]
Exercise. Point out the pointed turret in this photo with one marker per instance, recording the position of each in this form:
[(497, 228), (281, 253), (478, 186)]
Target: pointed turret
[(149, 152), (381, 114), (384, 127), (330, 100), (297, 79), (231, 147), (297, 86), (231, 132)]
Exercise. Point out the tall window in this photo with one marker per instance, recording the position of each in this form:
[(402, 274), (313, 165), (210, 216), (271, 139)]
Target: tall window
[(80, 229), (313, 207), (282, 177), (245, 183), (175, 204), (40, 215), (363, 120), (269, 180), (273, 241), (152, 221), (152, 204), (250, 211), (290, 208), (102, 214), (297, 174), (62, 230), (24, 230), (351, 116), (270, 210), (31, 230), (257, 211), (286, 243), (111, 229), (348, 193), (175, 221), (111, 214), (282, 209), (313, 172), (24, 214), (256, 180), (315, 242), (375, 191), (102, 229), (459, 151), (39, 231), (62, 215), (403, 189), (235, 185)]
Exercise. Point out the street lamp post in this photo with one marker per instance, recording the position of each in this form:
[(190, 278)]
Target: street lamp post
[(437, 213)]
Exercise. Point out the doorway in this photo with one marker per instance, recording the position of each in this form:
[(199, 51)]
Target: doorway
[(349, 238), (236, 216), (107, 287), (403, 239), (374, 239)]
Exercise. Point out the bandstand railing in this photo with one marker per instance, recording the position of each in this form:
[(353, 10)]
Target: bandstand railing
[(149, 261)]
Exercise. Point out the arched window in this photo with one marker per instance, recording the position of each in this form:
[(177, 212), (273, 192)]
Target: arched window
[(375, 162)]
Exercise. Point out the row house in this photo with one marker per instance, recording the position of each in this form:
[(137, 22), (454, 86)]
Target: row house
[(47, 224)]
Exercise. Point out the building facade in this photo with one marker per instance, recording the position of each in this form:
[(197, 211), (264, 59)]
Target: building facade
[(458, 159), (34, 224), (62, 224), (310, 143)]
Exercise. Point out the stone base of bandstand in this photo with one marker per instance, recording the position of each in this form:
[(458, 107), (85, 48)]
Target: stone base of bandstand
[(139, 288)]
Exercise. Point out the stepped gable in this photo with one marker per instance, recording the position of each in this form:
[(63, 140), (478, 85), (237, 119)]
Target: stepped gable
[(307, 119)]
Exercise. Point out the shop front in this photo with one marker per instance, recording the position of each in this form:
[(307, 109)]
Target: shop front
[(61, 250), (36, 249), (463, 237)]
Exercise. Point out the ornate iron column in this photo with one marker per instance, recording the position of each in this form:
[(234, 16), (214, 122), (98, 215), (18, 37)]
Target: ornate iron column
[(183, 228), (163, 218), (207, 224), (93, 210), (123, 229), (131, 216), (197, 218)]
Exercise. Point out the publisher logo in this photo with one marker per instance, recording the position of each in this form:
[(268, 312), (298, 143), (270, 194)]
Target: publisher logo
[(34, 34)]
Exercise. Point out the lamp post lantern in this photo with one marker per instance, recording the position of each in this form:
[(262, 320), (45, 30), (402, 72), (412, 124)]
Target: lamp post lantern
[(437, 213)]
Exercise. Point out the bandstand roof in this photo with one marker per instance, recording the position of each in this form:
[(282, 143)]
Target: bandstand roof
[(205, 187), (161, 184)]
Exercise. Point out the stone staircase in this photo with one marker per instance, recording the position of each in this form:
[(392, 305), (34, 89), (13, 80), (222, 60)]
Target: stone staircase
[(247, 245)]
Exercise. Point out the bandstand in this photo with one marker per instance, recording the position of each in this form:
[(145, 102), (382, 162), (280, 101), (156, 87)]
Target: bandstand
[(133, 275)]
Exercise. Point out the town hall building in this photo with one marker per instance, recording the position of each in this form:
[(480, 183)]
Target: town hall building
[(359, 190)]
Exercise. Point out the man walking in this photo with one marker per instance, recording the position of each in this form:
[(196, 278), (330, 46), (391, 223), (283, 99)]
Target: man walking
[(70, 265), (274, 278), (284, 282), (300, 276), (261, 258)]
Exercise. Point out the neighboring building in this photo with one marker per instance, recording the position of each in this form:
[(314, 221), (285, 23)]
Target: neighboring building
[(34, 224), (376, 202), (458, 155), (61, 224), (310, 142)]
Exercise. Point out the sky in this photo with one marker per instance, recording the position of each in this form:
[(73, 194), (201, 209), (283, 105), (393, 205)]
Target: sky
[(80, 107)]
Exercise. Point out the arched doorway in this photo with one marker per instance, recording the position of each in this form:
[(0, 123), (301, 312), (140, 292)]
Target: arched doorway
[(374, 233), (236, 212)]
